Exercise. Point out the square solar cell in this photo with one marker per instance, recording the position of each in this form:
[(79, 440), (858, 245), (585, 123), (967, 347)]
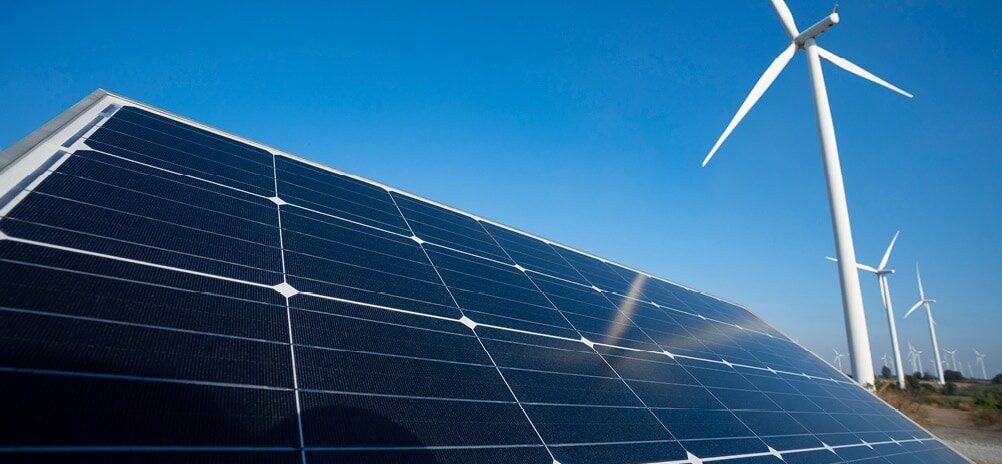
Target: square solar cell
[(337, 258), (140, 136), (337, 195), (449, 229)]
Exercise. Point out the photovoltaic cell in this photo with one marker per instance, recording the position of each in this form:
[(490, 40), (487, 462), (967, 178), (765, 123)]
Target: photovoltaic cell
[(173, 294)]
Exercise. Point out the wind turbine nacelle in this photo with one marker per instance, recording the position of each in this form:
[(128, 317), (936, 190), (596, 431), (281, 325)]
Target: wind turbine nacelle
[(817, 29)]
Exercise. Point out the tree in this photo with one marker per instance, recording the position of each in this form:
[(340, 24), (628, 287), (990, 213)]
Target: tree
[(997, 378), (952, 376), (885, 372)]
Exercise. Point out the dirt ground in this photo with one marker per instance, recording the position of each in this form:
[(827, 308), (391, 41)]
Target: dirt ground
[(983, 445)]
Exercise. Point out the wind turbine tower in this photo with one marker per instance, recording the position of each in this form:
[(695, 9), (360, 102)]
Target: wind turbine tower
[(882, 271), (806, 40), (981, 360), (927, 303)]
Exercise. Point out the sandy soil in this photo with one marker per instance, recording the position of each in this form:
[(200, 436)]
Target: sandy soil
[(954, 427)]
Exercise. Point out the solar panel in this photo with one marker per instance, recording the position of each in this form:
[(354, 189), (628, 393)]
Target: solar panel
[(175, 294)]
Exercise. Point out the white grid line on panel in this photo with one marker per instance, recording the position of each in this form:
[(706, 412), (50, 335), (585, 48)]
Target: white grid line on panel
[(489, 356), (182, 120), (46, 449), (284, 289), (343, 300), (587, 342)]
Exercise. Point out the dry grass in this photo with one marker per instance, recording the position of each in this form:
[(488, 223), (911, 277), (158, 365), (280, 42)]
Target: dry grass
[(902, 401), (987, 417)]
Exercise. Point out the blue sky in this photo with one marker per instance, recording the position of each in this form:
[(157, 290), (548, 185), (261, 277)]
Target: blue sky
[(586, 124)]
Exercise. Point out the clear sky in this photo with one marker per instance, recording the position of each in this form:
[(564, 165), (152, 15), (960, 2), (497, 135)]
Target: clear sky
[(585, 122)]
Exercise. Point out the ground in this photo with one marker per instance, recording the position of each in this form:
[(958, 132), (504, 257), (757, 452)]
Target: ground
[(968, 419), (956, 427)]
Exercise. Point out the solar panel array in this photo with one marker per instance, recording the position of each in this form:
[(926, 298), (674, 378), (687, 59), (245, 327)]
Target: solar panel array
[(171, 294)]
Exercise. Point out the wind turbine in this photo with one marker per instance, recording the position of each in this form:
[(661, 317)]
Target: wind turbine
[(883, 359), (838, 360), (953, 359), (911, 356), (981, 360), (852, 300), (882, 271), (926, 302)]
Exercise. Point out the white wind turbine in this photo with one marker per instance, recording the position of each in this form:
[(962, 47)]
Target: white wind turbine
[(882, 271), (981, 360), (953, 359), (926, 302), (916, 357), (911, 356), (883, 359), (852, 301), (838, 360)]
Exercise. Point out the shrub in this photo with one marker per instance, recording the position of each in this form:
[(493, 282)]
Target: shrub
[(950, 388), (987, 417), (986, 403)]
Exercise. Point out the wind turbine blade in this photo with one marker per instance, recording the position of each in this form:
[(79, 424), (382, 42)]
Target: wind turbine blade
[(866, 268), (861, 267), (756, 92), (887, 254), (786, 17), (917, 306), (918, 276), (855, 69)]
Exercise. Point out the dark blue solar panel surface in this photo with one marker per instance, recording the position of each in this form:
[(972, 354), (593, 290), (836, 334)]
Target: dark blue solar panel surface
[(174, 295)]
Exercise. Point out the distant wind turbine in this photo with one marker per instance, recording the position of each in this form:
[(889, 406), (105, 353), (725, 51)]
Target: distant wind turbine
[(953, 359), (927, 303), (882, 271), (883, 359), (852, 300), (918, 361), (911, 356), (981, 360), (838, 360)]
